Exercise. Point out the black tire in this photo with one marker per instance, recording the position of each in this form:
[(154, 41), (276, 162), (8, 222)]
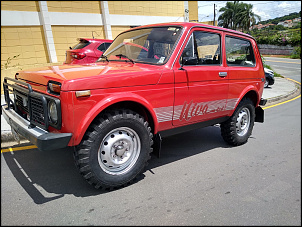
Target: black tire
[(266, 83), (114, 150), (238, 128)]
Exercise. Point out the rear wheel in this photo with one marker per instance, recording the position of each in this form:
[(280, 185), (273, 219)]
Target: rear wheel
[(266, 82), (115, 149), (238, 128)]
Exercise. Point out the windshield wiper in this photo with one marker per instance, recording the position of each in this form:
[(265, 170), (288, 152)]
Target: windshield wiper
[(124, 56), (103, 56)]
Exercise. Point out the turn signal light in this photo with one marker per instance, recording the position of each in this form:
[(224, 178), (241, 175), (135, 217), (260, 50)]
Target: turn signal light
[(84, 93), (56, 88)]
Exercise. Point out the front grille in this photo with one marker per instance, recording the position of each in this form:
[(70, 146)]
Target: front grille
[(30, 105), (37, 111), (20, 102)]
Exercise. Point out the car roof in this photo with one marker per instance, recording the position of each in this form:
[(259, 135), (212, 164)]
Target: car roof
[(189, 25), (96, 40)]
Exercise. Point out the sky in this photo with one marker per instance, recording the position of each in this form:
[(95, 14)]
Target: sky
[(265, 9)]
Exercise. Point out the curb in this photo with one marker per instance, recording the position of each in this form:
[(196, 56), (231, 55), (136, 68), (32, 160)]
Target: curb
[(9, 137), (291, 94)]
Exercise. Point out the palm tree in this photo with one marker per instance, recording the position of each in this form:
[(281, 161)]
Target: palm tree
[(225, 19), (237, 15), (228, 17), (248, 17)]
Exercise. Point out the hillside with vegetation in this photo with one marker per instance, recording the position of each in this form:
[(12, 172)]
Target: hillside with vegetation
[(280, 35), (276, 20)]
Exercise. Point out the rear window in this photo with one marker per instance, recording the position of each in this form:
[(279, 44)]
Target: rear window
[(81, 44)]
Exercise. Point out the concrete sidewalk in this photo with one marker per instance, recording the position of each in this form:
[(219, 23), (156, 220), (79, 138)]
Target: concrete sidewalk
[(280, 91)]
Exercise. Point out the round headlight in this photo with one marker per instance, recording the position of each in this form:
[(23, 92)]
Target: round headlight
[(52, 111)]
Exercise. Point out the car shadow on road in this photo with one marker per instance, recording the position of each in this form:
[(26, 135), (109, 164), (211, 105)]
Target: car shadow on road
[(187, 144), (47, 176)]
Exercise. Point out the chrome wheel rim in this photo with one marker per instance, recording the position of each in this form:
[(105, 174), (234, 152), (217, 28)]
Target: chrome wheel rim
[(119, 151), (266, 83), (243, 122)]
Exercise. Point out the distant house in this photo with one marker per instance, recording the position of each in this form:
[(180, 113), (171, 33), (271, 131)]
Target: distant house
[(286, 23), (260, 26), (296, 21)]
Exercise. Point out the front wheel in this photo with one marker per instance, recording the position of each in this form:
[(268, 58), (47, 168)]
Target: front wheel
[(238, 128), (115, 149)]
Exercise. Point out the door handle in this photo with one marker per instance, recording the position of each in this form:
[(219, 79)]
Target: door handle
[(223, 74)]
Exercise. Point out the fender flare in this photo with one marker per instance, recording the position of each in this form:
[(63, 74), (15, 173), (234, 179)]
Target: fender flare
[(243, 94), (107, 102)]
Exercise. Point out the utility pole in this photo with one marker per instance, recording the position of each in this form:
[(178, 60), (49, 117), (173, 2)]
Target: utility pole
[(214, 14)]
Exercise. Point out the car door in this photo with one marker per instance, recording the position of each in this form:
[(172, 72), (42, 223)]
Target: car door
[(201, 84)]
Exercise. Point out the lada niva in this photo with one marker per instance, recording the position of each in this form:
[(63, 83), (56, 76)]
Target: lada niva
[(153, 81)]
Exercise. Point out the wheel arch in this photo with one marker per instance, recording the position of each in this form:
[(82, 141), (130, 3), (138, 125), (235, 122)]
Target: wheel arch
[(251, 93), (131, 101)]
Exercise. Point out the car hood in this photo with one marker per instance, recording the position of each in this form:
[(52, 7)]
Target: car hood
[(94, 76)]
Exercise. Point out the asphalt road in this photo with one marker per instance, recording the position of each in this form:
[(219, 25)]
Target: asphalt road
[(199, 180), (290, 68)]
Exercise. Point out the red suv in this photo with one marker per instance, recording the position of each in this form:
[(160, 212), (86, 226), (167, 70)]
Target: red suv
[(87, 51), (153, 81)]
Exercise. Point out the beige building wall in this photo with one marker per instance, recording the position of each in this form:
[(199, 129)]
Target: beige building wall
[(27, 42), (66, 36), (208, 22), (74, 6), (147, 8), (20, 6), (21, 46), (118, 29), (193, 11)]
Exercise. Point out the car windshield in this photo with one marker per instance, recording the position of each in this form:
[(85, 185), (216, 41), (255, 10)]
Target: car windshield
[(146, 45)]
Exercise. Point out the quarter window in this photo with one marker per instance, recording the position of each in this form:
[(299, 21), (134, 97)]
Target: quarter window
[(239, 52)]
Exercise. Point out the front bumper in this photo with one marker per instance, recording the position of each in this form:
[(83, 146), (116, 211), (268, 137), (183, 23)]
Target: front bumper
[(44, 140)]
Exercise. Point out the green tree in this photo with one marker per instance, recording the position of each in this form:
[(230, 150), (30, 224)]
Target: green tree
[(247, 17), (227, 18), (236, 15)]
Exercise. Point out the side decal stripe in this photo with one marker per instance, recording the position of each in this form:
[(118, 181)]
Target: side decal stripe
[(191, 109)]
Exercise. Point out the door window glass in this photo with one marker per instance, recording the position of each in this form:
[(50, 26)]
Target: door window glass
[(203, 48)]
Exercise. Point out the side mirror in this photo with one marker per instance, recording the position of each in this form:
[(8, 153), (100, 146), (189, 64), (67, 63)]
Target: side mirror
[(188, 61)]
